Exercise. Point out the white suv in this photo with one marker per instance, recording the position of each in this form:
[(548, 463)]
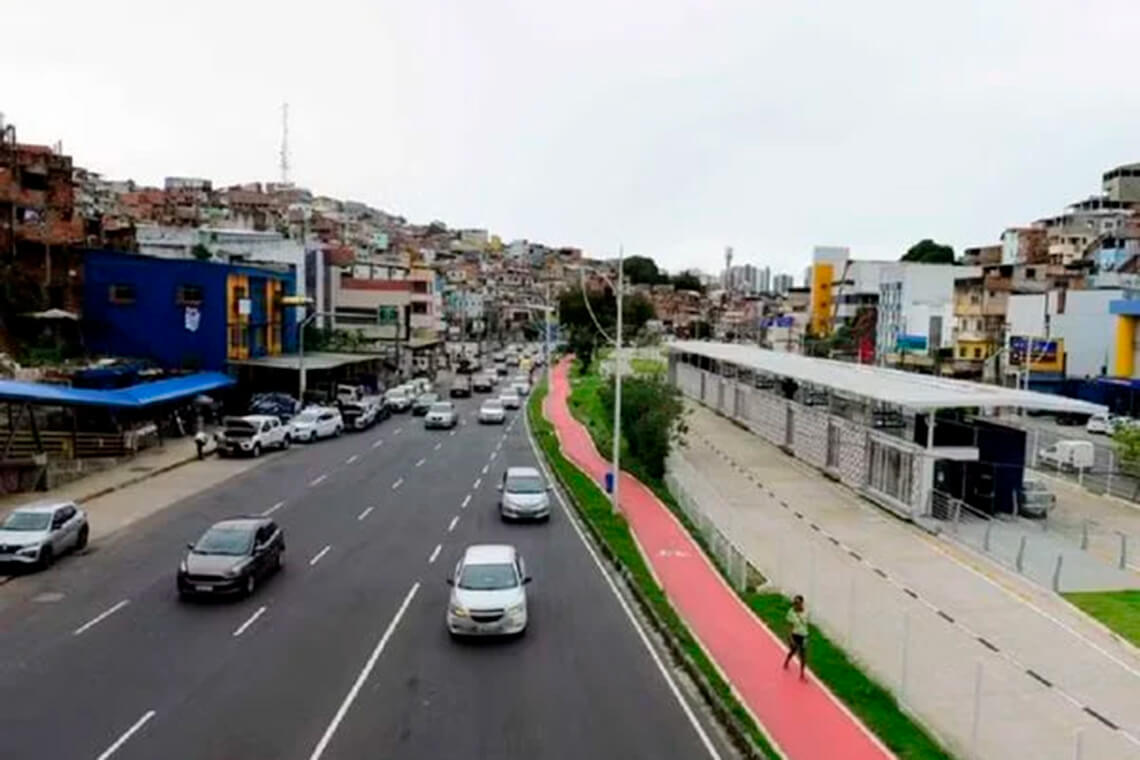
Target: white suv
[(488, 594), (252, 435), (317, 422)]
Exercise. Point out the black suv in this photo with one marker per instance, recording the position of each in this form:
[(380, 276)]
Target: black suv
[(231, 557)]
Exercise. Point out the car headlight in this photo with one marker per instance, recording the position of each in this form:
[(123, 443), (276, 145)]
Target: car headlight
[(182, 567), (235, 571), (458, 610), (516, 609), (30, 551)]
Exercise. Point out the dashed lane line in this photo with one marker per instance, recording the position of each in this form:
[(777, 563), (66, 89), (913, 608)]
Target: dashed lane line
[(365, 513), (126, 735), (421, 462), (318, 480), (478, 482), (453, 523), (377, 443), (435, 554), (352, 459), (100, 617), (317, 557), (273, 509), (252, 619), (397, 484), (466, 501)]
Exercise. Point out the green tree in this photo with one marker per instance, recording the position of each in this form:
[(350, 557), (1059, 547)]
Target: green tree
[(641, 270), (926, 251), (1126, 441), (636, 311), (687, 281), (651, 411)]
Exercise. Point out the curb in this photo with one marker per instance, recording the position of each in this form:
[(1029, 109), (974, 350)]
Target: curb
[(732, 725), (135, 480)]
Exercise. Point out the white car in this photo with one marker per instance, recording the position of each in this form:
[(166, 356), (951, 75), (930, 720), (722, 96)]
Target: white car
[(524, 495), (492, 412), (510, 399), (252, 435), (317, 422), (488, 592), (441, 414), (399, 399), (1101, 423), (521, 387), (38, 533)]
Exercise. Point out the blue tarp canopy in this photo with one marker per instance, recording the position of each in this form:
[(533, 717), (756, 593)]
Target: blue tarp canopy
[(134, 397)]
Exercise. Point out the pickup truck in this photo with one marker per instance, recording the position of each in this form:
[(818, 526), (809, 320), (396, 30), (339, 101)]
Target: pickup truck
[(252, 435)]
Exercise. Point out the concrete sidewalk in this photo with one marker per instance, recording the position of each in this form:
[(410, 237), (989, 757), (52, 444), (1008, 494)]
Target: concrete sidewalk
[(139, 487), (930, 621)]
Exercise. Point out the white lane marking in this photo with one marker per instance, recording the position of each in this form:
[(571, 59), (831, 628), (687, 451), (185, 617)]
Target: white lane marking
[(365, 513), (478, 482), (493, 455), (453, 523), (397, 483), (377, 443), (252, 619), (363, 676), (452, 432), (697, 727), (397, 431), (101, 617), (318, 480), (485, 468), (317, 557), (127, 735), (435, 553), (351, 459), (466, 501), (438, 445), (273, 509), (421, 462)]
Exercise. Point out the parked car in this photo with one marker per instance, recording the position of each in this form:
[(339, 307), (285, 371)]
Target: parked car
[(461, 387), (36, 534), (1100, 423), (231, 557), (488, 594), (1034, 499), (510, 399), (520, 384), (441, 414), (1072, 454), (501, 370), (492, 412), (424, 402), (483, 383), (524, 495), (398, 399), (252, 434), (280, 405), (315, 422)]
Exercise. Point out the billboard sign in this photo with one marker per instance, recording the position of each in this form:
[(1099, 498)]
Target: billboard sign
[(1042, 352), (914, 343)]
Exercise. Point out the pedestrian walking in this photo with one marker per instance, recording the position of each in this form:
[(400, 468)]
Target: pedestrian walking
[(797, 644)]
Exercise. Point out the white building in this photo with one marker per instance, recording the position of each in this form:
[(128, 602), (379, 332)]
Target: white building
[(782, 283), (764, 280), (916, 307)]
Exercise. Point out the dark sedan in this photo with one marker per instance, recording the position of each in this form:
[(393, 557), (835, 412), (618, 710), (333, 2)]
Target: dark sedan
[(423, 402), (231, 557)]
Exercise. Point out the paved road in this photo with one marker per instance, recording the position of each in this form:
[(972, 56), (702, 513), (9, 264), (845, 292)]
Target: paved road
[(343, 655)]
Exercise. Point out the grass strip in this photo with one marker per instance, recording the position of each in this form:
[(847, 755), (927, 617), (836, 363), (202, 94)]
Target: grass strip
[(612, 534), (1119, 610), (874, 705)]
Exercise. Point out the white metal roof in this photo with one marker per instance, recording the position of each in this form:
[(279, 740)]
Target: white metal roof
[(890, 386)]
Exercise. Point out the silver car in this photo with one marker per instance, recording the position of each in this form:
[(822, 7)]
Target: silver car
[(1034, 499), (36, 534), (492, 412), (488, 594), (441, 414), (524, 495), (510, 399)]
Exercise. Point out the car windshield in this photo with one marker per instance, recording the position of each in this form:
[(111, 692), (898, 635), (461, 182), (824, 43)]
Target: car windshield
[(27, 521), (525, 484), (488, 577), (427, 398), (493, 406), (442, 407), (225, 540), (509, 396), (309, 415)]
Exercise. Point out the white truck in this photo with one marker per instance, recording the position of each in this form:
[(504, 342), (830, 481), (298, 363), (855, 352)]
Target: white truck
[(251, 435), (1073, 454), (359, 409)]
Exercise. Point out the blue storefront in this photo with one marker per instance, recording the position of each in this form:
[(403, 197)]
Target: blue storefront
[(185, 314)]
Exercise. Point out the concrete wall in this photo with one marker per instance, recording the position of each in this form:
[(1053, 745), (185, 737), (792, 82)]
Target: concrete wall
[(1086, 327)]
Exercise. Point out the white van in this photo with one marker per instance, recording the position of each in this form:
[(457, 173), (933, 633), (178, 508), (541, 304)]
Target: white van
[(1076, 455)]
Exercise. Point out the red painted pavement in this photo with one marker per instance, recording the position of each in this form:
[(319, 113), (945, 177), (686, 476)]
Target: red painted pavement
[(803, 719)]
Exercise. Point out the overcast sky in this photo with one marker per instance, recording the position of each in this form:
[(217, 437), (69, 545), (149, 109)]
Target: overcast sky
[(671, 126)]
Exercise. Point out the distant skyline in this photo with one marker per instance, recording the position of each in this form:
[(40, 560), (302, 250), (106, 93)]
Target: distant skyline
[(675, 128)]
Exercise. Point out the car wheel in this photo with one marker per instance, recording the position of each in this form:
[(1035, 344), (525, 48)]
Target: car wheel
[(250, 584), (81, 542), (46, 558), (286, 442), (338, 431), (278, 562), (256, 450)]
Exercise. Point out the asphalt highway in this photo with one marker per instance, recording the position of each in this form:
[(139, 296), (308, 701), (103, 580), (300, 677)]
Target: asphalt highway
[(344, 654)]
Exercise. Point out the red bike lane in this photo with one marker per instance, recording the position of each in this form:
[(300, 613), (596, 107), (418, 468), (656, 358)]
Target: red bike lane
[(803, 719)]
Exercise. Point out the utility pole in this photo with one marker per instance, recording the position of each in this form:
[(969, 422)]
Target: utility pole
[(617, 383), (546, 336)]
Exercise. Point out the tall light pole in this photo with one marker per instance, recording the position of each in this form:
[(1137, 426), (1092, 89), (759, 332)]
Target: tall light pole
[(301, 351)]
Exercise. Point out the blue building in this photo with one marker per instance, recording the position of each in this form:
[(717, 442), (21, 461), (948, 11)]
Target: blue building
[(185, 314)]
